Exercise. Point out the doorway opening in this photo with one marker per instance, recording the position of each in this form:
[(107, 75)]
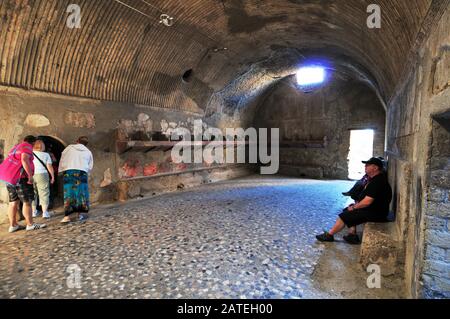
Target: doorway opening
[(361, 149), (55, 148)]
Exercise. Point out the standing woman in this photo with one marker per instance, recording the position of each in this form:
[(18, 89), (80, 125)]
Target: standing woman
[(76, 163), (43, 177)]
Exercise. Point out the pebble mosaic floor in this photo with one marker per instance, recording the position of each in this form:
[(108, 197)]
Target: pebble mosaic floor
[(248, 238)]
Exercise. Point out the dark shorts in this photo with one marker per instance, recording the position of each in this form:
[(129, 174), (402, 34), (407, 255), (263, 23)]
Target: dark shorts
[(23, 192), (362, 216)]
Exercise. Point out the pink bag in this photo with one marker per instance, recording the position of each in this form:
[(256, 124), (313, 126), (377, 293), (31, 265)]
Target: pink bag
[(11, 169)]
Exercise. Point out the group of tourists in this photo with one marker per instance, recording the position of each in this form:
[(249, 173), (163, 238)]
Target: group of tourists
[(28, 172)]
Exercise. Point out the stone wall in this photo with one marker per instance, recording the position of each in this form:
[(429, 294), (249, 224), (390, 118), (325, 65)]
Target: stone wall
[(418, 153), (328, 113), (436, 271), (65, 118)]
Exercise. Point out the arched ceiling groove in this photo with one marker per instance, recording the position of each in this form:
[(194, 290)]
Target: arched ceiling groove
[(122, 52)]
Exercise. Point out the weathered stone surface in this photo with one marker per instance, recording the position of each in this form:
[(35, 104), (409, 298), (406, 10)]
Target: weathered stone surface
[(37, 120), (142, 118), (438, 209), (436, 287), (437, 194), (435, 223), (122, 191), (150, 169), (302, 171), (428, 280), (441, 178), (379, 247), (442, 285), (107, 178), (132, 167), (438, 238), (164, 126), (82, 120), (437, 268), (144, 122), (442, 71), (139, 129), (134, 190), (435, 253)]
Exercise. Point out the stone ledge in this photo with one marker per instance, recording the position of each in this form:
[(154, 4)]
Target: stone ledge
[(302, 171), (380, 246)]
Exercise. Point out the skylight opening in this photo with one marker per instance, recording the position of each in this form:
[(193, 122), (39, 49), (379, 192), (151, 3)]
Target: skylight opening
[(310, 75)]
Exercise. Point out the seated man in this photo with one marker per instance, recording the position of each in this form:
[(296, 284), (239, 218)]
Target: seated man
[(373, 207)]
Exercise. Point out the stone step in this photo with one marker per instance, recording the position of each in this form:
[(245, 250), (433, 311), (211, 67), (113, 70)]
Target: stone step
[(380, 246)]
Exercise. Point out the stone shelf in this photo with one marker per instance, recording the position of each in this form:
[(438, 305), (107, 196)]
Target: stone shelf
[(147, 146), (193, 170), (303, 144)]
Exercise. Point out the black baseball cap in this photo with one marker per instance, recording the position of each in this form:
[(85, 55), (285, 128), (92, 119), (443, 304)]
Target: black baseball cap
[(375, 161)]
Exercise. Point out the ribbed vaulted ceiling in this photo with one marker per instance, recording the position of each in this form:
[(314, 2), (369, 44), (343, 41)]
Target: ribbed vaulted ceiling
[(122, 52)]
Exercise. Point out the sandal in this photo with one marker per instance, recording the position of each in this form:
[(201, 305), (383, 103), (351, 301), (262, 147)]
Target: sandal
[(65, 220)]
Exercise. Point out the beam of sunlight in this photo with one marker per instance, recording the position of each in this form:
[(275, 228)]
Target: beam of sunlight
[(310, 75)]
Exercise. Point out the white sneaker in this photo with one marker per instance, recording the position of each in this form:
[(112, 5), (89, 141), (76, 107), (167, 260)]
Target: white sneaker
[(48, 215), (36, 226), (15, 228), (35, 213)]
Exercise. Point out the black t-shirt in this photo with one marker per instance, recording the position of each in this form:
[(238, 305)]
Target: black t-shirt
[(380, 190)]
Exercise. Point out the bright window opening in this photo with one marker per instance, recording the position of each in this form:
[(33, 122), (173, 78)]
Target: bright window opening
[(361, 149), (310, 75)]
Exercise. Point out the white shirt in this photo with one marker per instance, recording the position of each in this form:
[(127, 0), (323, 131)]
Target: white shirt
[(45, 158), (76, 156)]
